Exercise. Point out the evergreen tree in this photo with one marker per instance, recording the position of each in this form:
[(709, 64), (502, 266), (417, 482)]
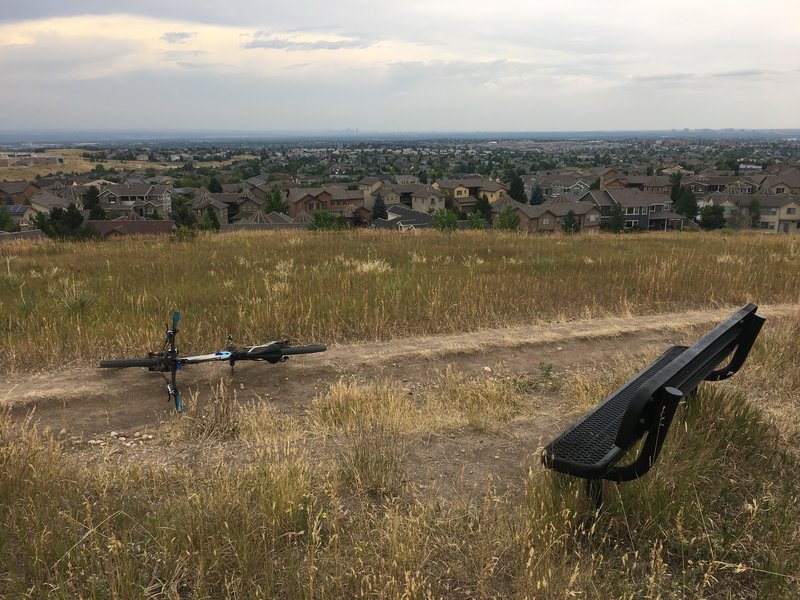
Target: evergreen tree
[(617, 221), (324, 221), (712, 217), (516, 188), (210, 221), (686, 203), (214, 186), (483, 208), (754, 210), (570, 223), (91, 202), (181, 214), (6, 222), (537, 195), (675, 179), (379, 208), (64, 224)]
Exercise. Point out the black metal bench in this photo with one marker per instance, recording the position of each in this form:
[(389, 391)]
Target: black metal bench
[(645, 405)]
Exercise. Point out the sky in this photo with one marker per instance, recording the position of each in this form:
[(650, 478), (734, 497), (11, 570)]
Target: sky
[(415, 65)]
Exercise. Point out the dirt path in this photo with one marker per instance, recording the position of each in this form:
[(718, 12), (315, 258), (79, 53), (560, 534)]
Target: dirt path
[(89, 401)]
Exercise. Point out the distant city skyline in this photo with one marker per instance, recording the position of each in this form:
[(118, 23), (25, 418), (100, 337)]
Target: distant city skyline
[(576, 65)]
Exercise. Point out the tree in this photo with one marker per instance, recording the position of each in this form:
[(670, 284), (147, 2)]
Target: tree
[(214, 186), (754, 210), (325, 221), (64, 224), (570, 223), (507, 220), (516, 188), (476, 221), (445, 220), (686, 203), (675, 180), (712, 217), (6, 222), (483, 208), (537, 195), (210, 221), (91, 202), (595, 184), (276, 202), (616, 222), (423, 176), (379, 208), (181, 214)]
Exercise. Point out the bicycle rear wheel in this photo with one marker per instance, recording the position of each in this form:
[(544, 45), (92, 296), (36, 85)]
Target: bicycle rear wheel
[(121, 363)]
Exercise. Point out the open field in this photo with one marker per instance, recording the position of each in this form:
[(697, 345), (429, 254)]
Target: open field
[(74, 163), (390, 466), (105, 299)]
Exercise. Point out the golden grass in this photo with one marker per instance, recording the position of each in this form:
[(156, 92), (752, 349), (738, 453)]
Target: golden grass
[(716, 517), (105, 299)]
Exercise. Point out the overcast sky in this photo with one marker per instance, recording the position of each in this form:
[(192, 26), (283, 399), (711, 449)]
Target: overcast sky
[(429, 65)]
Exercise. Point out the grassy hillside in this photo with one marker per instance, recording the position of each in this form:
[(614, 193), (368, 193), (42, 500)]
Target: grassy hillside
[(103, 299)]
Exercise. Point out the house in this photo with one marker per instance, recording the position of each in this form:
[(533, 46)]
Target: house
[(200, 203), (473, 186), (20, 214), (402, 218), (569, 185), (548, 217), (331, 199), (785, 182), (143, 199), (44, 203), (417, 196), (31, 234), (642, 210), (777, 213), (17, 192)]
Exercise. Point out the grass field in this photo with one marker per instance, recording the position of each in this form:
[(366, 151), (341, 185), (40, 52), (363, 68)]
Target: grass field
[(101, 299), (243, 501), (75, 163)]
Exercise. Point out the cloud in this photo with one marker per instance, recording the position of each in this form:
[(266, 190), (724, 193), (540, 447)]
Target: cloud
[(273, 41), (175, 37)]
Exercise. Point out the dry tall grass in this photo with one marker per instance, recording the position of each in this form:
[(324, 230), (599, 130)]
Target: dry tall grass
[(97, 299)]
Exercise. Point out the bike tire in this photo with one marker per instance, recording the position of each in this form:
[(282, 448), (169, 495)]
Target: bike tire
[(121, 363), (309, 349)]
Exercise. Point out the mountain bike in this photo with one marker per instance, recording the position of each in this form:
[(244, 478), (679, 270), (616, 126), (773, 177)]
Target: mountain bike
[(167, 360)]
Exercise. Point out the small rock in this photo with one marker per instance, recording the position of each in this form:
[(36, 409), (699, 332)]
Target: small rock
[(122, 438), (241, 386), (496, 456), (487, 369), (62, 432), (94, 442), (113, 434), (559, 348), (129, 444), (137, 434)]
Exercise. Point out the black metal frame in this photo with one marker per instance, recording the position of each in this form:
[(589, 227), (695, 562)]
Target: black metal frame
[(657, 391)]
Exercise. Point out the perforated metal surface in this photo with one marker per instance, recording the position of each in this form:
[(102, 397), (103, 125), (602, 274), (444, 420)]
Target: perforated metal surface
[(589, 444)]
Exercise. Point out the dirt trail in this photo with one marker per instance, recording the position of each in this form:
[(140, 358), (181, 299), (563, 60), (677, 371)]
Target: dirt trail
[(88, 401)]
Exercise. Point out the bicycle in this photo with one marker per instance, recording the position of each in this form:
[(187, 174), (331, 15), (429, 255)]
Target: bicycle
[(167, 359)]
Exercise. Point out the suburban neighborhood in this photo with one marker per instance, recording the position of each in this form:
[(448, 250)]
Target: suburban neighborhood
[(553, 187)]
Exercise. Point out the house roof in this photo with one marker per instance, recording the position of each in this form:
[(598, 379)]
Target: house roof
[(13, 187), (399, 215), (49, 201), (15, 210), (140, 189), (764, 200), (626, 197), (132, 227)]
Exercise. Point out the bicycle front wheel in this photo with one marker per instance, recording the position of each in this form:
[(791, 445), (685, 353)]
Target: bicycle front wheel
[(309, 349), (121, 363)]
